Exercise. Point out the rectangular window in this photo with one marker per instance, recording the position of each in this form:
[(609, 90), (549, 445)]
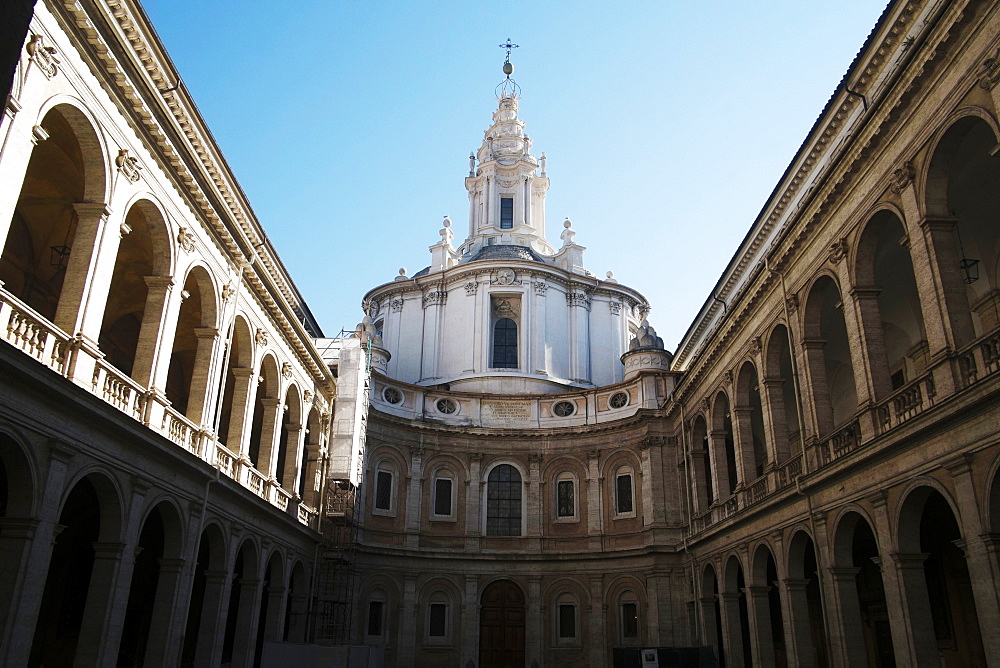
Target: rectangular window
[(506, 213), (437, 622), (565, 502), (624, 487), (375, 618), (383, 490), (442, 496), (567, 621), (630, 620)]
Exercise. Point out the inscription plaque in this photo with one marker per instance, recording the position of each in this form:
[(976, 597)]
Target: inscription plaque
[(506, 411)]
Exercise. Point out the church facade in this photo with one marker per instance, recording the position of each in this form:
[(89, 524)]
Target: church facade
[(504, 463)]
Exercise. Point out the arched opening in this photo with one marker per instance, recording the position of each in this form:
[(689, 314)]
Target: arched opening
[(782, 401), (766, 601), (310, 481), (194, 341), (963, 196), (701, 462), (78, 586), (889, 305), (857, 578), (289, 450), (828, 354), (270, 622), (207, 590), (723, 448), (711, 612), (737, 614), (262, 432), (237, 387), (142, 591), (138, 288), (297, 607), (942, 606), (750, 422), (237, 644), (501, 625), (806, 602), (16, 503), (503, 501), (63, 171)]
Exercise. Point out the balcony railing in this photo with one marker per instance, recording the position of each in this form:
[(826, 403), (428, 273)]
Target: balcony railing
[(73, 358)]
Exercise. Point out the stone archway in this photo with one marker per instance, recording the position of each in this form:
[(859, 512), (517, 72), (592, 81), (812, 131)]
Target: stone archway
[(501, 625)]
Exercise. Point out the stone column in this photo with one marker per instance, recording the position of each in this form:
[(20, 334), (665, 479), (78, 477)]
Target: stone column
[(597, 624), (921, 640), (939, 233), (759, 611), (595, 510), (408, 623), (798, 634), (473, 504), (847, 636), (699, 493), (710, 628), (533, 626), (720, 465), (290, 465), (533, 490), (822, 406), (540, 363), (732, 636), (99, 637), (856, 345), (244, 641), (212, 625), (17, 538), (20, 611), (297, 625), (267, 457), (653, 501), (414, 498), (977, 554), (199, 408), (92, 221), (168, 622), (244, 389), (896, 606), (746, 464), (274, 625), (148, 351), (776, 420), (872, 341), (469, 649)]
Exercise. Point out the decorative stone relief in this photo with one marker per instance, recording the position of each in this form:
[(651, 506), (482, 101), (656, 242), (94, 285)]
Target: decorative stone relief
[(541, 287), (755, 345), (185, 239), (374, 306), (43, 56), (261, 337), (505, 276), (504, 309), (902, 177), (616, 307), (471, 288), (436, 297), (793, 303), (307, 397), (396, 304), (838, 251), (729, 377), (286, 370), (228, 292), (706, 404), (990, 71), (593, 454), (578, 299), (128, 165)]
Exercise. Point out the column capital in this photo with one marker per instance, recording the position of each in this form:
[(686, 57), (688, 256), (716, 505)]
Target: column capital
[(159, 282), (908, 561), (206, 332), (91, 209)]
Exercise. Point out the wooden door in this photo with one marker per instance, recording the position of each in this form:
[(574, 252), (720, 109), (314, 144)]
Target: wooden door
[(501, 626)]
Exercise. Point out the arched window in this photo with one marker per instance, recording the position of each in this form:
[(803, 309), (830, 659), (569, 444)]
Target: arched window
[(565, 497), (375, 626), (438, 621), (624, 492), (384, 501), (567, 620), (505, 344), (503, 502), (628, 618)]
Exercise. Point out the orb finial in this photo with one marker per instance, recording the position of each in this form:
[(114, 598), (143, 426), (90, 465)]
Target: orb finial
[(507, 87)]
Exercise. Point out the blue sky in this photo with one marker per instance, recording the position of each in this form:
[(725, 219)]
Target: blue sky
[(666, 125)]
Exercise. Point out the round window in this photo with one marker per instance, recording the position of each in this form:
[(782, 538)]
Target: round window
[(446, 406), (564, 409), (392, 395), (618, 400)]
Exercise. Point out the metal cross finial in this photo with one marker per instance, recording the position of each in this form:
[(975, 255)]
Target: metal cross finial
[(509, 45)]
